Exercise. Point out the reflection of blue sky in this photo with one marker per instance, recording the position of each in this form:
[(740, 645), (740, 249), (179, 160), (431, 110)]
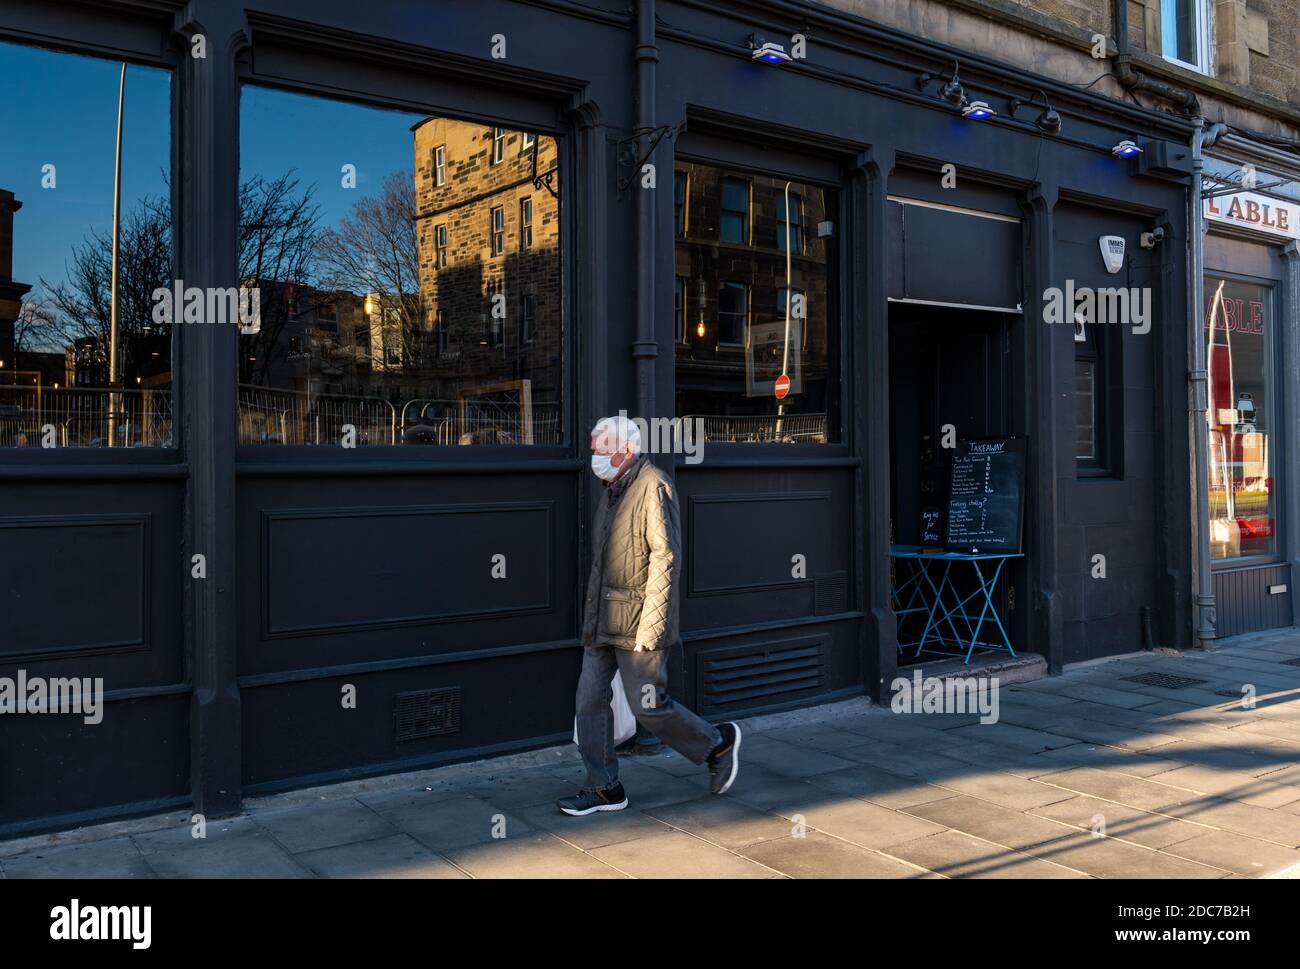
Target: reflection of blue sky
[(316, 137), (61, 109)]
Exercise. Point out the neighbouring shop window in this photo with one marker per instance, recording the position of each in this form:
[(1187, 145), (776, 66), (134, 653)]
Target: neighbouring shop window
[(79, 368), (429, 313), (439, 165), (1091, 436), (1085, 398), (730, 308), (498, 230), (525, 223), (735, 211), (527, 316), (1185, 32), (440, 244), (733, 314), (789, 224), (1240, 419), (679, 309)]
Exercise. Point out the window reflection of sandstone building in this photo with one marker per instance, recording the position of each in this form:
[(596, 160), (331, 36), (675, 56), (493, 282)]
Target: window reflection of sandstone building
[(485, 230), (729, 299)]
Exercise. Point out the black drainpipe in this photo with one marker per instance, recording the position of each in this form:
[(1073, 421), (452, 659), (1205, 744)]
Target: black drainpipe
[(644, 347), (1133, 81)]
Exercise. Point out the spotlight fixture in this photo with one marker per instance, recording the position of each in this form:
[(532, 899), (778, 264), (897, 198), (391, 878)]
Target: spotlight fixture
[(769, 52), (1126, 149), (977, 110), (951, 91), (1049, 121)]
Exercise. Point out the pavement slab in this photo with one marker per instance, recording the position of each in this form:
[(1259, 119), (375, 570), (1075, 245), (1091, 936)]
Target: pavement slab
[(1083, 775)]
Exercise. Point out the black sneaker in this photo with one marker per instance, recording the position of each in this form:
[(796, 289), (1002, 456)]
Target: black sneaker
[(589, 802), (626, 747), (724, 762)]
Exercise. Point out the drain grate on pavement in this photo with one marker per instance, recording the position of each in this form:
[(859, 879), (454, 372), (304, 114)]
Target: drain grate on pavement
[(1168, 681)]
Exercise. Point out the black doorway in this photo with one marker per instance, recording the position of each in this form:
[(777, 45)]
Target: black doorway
[(947, 366)]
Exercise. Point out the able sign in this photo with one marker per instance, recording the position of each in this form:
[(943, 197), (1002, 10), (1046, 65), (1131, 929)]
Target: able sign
[(1250, 210)]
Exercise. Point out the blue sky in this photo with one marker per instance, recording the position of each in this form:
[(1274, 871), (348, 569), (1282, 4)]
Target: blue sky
[(61, 109)]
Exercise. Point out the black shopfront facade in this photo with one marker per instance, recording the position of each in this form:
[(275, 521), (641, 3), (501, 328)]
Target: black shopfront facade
[(348, 597)]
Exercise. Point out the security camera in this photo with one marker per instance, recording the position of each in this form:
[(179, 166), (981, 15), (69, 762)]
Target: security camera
[(1149, 240)]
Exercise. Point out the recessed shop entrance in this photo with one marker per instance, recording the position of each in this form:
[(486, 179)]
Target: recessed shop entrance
[(958, 451), (949, 384)]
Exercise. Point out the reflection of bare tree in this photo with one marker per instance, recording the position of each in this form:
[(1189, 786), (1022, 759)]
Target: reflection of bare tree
[(145, 264), (278, 233), (39, 327), (374, 250)]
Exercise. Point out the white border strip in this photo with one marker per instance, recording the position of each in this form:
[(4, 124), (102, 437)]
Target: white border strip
[(979, 214), (957, 306)]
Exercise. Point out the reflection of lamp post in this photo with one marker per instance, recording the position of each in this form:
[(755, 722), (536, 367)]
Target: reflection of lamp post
[(785, 346), (114, 399)]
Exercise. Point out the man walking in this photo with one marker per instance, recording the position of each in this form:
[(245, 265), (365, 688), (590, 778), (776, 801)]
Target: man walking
[(629, 621)]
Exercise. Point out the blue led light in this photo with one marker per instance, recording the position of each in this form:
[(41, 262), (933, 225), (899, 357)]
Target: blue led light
[(771, 54)]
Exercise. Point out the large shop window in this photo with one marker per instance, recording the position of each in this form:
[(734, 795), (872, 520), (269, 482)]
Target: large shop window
[(1240, 337), (1098, 444), (755, 296), (85, 361), (409, 275)]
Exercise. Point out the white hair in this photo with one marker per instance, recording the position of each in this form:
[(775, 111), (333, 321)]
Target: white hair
[(624, 430)]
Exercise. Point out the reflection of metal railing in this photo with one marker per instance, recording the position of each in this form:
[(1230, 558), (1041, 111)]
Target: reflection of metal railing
[(85, 417), (762, 428), (270, 416), (427, 421)]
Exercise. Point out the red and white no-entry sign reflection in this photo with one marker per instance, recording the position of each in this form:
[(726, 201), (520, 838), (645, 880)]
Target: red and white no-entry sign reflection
[(782, 386)]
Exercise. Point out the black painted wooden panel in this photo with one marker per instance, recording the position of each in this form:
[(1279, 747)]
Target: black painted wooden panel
[(951, 257), (1244, 603), (373, 568), (73, 584), (404, 565), (56, 769)]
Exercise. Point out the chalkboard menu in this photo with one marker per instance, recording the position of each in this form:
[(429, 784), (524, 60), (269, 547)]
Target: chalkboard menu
[(986, 497)]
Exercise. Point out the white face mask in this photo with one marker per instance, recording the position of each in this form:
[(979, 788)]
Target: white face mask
[(603, 467)]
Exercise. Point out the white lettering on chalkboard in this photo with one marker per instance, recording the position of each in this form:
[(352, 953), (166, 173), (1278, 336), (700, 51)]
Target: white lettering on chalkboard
[(986, 492)]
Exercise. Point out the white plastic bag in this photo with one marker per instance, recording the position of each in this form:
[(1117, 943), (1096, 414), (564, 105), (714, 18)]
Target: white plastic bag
[(624, 720)]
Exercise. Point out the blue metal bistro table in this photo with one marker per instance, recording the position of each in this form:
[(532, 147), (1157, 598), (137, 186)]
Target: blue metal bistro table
[(948, 620)]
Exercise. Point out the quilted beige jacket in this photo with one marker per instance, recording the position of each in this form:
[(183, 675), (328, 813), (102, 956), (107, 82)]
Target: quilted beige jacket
[(637, 542)]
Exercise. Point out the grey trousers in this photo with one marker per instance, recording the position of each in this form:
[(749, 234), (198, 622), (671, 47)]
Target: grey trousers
[(645, 676)]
